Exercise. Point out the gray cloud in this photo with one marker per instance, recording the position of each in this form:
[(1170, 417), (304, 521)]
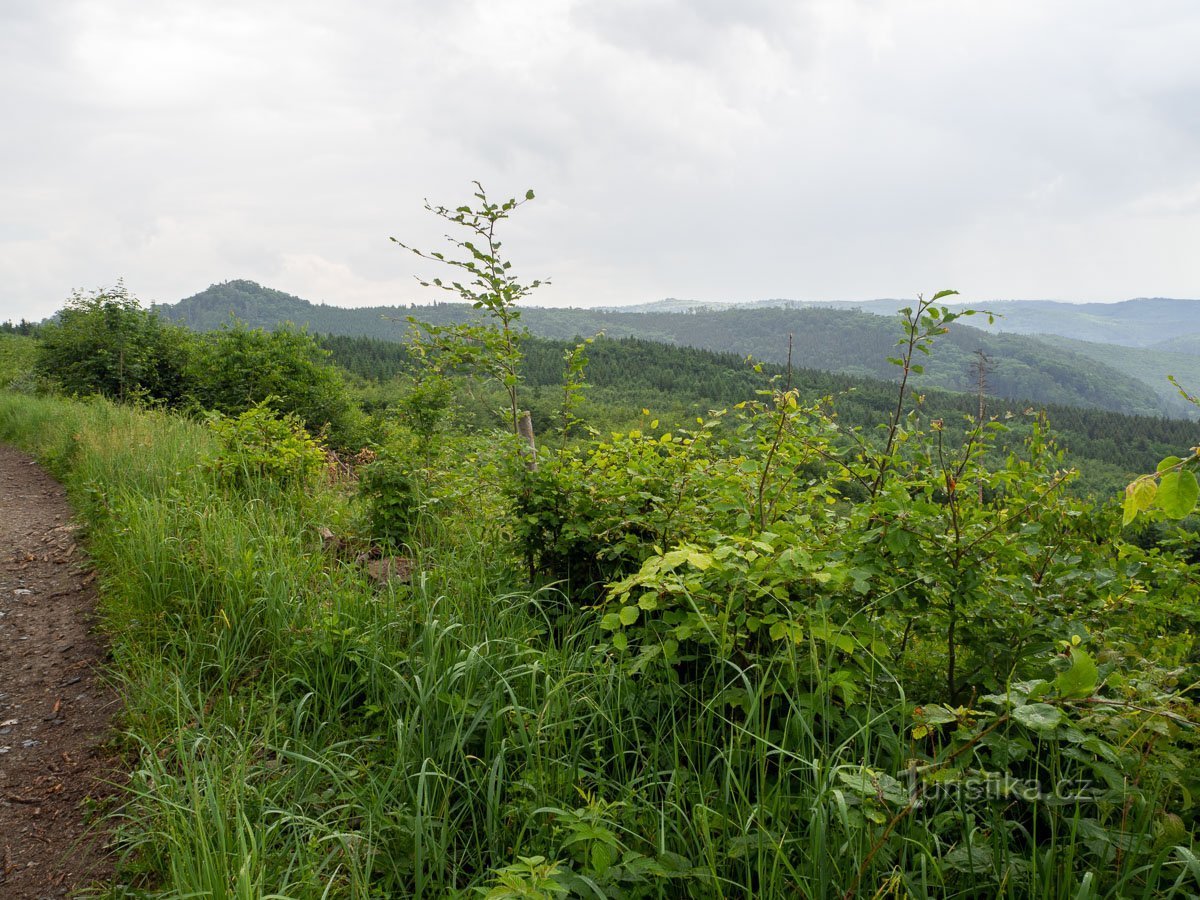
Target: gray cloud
[(696, 148)]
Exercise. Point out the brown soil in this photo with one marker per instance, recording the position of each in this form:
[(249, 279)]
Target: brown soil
[(55, 709)]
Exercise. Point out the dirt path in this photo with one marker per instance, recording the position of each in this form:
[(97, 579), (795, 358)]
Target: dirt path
[(55, 712)]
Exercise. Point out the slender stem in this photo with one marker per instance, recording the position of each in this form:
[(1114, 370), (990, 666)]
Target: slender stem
[(766, 471)]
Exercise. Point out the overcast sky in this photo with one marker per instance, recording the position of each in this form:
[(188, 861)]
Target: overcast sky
[(700, 149)]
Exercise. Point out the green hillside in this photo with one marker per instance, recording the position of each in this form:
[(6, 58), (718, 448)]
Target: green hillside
[(1150, 365), (679, 383), (837, 340), (1143, 322), (1133, 323), (1184, 343)]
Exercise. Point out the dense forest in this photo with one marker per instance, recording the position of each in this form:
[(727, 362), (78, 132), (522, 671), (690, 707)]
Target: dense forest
[(489, 614), (679, 383), (838, 340)]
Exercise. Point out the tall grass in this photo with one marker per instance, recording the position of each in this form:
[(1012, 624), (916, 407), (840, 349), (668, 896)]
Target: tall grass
[(296, 731)]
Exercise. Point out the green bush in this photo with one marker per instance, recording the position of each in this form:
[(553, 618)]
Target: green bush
[(387, 486), (17, 355), (104, 343), (260, 444), (237, 368)]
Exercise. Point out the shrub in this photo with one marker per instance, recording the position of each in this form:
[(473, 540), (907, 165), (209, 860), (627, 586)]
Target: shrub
[(238, 368), (260, 444), (593, 515), (105, 343), (389, 490)]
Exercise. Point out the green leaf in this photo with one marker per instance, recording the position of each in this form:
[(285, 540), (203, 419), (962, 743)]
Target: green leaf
[(1040, 717), (789, 630), (1139, 496), (1081, 678), (602, 857), (1144, 491), (1169, 463), (1129, 508), (839, 639), (673, 560), (1178, 493), (875, 784), (629, 615), (935, 714)]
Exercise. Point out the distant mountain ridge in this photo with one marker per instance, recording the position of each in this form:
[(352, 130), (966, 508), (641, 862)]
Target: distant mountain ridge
[(1142, 322), (1185, 343), (834, 338)]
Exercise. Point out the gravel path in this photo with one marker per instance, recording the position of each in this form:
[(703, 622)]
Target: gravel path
[(55, 710)]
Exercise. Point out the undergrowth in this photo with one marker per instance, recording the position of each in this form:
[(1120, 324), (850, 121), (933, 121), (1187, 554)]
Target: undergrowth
[(296, 730)]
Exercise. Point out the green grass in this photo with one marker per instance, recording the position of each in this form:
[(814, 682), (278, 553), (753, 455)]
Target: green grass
[(295, 731)]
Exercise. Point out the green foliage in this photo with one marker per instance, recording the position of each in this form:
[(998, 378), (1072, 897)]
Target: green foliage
[(1026, 368), (238, 368), (681, 383), (783, 655), (1173, 488), (529, 877), (574, 384), (388, 487), (1063, 744), (594, 513), (487, 284), (17, 356), (260, 444), (762, 531), (23, 327), (104, 342)]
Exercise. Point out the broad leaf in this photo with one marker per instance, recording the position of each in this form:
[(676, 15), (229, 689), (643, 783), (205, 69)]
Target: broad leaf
[(935, 714), (1079, 680), (1178, 493), (1169, 463), (1139, 496), (1041, 717)]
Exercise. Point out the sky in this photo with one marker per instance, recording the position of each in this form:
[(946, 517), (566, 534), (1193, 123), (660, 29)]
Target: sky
[(710, 150)]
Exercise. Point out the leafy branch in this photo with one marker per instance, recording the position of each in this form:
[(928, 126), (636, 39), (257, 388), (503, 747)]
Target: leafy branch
[(487, 283)]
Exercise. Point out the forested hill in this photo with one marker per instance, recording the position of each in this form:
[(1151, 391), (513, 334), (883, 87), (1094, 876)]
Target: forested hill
[(1184, 343), (678, 384), (1132, 323), (1161, 322), (836, 340)]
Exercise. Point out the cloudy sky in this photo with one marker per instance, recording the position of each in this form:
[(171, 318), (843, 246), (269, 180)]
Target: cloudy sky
[(701, 149)]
